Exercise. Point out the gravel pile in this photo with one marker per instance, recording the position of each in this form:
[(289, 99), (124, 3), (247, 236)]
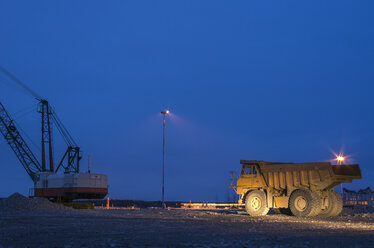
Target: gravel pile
[(18, 202)]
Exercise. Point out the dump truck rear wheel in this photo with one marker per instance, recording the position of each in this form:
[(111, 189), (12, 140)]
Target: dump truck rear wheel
[(331, 203), (304, 203), (316, 204), (255, 203), (337, 204)]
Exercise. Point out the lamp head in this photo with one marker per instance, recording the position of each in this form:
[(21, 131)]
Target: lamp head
[(340, 158)]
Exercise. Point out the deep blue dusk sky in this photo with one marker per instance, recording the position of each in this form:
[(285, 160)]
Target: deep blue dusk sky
[(267, 80)]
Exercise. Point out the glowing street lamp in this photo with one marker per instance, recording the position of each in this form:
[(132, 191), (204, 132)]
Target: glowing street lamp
[(340, 159), (163, 160)]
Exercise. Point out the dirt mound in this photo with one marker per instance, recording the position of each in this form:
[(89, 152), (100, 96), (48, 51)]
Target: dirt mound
[(18, 202)]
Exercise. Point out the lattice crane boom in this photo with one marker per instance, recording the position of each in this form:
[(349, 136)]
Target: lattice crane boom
[(18, 144)]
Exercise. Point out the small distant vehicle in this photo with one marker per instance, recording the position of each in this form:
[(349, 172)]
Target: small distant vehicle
[(300, 189)]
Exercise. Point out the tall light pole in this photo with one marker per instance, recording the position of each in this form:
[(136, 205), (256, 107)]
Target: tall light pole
[(340, 159), (164, 113)]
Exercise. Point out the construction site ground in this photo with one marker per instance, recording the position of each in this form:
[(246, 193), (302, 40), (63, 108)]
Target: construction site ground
[(180, 228)]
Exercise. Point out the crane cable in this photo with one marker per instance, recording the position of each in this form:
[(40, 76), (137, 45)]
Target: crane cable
[(60, 126), (63, 130), (19, 82)]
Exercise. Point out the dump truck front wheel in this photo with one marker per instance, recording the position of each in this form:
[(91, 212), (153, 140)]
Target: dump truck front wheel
[(304, 203), (255, 203)]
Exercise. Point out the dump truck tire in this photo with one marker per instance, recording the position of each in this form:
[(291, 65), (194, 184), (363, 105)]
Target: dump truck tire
[(305, 203), (329, 199), (255, 203), (337, 204)]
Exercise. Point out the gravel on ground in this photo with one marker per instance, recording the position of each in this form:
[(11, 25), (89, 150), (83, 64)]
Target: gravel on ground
[(180, 228)]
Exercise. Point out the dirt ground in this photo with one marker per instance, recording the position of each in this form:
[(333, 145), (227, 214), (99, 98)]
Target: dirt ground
[(180, 228)]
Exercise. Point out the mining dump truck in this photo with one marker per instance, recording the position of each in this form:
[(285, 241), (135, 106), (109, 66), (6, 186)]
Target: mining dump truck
[(301, 189)]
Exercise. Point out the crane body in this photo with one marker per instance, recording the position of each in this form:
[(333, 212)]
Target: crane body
[(70, 186)]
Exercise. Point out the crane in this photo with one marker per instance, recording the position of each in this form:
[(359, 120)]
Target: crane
[(70, 159), (47, 182)]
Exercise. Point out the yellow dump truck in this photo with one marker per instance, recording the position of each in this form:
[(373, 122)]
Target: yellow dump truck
[(302, 189)]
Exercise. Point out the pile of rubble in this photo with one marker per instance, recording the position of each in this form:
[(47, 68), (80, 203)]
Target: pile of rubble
[(18, 202)]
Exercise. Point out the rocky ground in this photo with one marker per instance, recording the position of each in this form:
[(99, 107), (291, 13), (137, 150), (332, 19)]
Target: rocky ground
[(57, 226)]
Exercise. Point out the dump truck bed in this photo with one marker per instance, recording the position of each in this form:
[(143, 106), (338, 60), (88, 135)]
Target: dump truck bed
[(318, 175)]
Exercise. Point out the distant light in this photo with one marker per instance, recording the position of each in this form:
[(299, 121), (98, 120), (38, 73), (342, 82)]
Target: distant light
[(340, 158), (167, 111)]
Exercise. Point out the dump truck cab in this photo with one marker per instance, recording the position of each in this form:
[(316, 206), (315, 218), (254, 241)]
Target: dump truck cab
[(250, 176), (304, 189)]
